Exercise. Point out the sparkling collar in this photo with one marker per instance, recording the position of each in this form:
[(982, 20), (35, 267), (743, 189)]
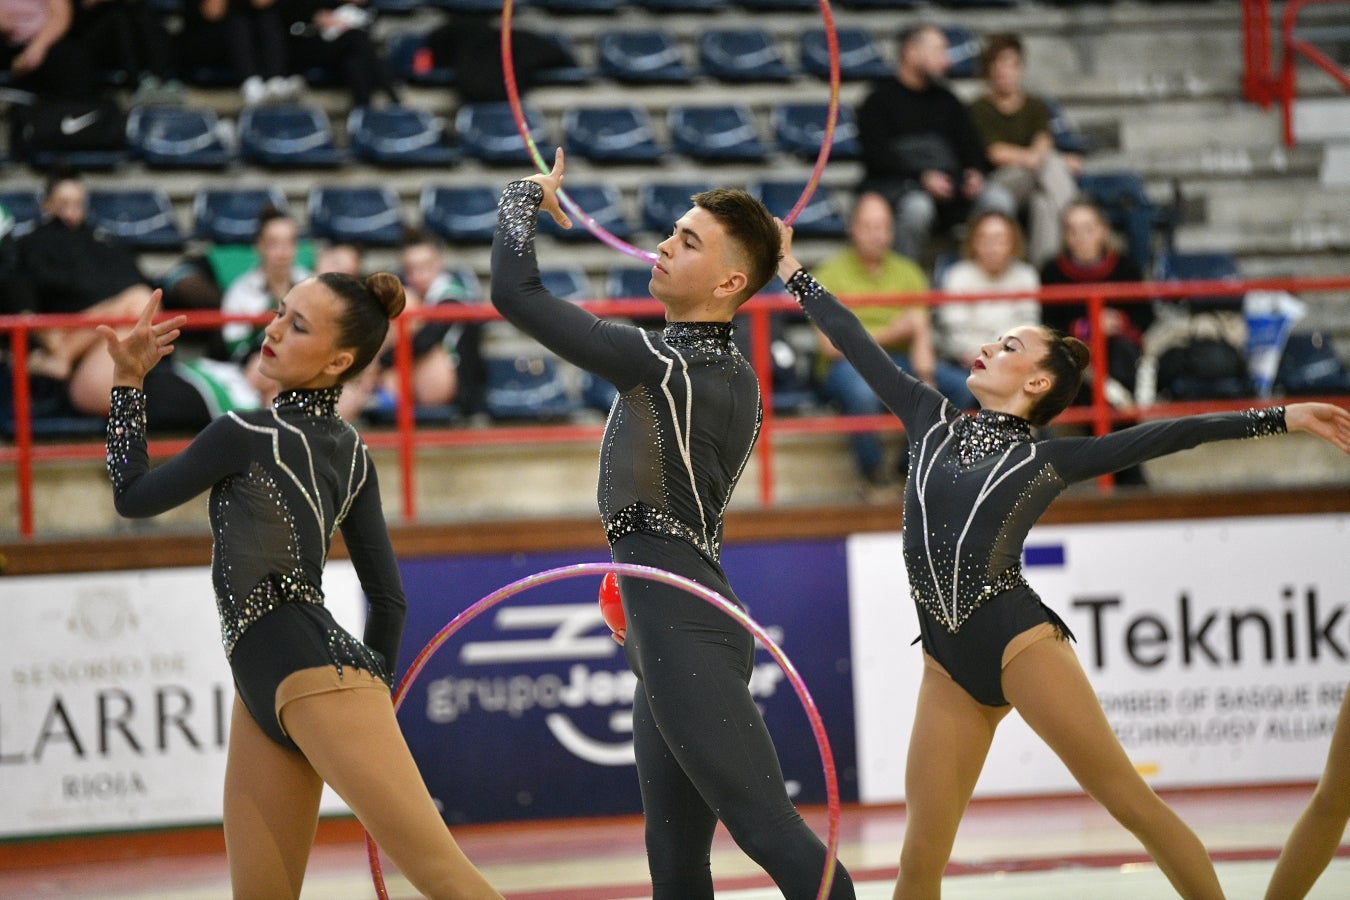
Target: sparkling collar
[(318, 402), (708, 337), (990, 431)]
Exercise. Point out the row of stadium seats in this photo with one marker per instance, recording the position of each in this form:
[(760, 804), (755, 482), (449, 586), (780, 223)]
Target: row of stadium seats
[(170, 7), (372, 215)]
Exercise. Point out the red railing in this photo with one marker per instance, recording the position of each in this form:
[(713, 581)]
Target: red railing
[(1260, 83), (24, 453)]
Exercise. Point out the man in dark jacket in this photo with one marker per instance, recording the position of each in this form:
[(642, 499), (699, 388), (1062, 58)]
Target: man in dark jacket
[(920, 149)]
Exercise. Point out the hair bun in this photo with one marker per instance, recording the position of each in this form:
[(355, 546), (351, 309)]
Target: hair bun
[(389, 291), (1079, 351)]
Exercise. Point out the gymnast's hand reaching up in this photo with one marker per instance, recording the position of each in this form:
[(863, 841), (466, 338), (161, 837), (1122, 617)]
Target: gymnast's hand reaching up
[(550, 183), (1325, 420), (145, 345)]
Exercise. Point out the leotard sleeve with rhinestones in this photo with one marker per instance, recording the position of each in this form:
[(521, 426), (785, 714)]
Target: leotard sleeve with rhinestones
[(367, 538), (614, 351), (217, 452), (914, 402), (1079, 458)]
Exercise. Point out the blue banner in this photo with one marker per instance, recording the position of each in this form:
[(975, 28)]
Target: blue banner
[(527, 711)]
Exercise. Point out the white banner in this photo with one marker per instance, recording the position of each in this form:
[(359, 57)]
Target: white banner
[(115, 699), (1218, 648)]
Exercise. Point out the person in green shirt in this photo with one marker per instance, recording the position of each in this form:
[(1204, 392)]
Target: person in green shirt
[(868, 268), (1015, 129)]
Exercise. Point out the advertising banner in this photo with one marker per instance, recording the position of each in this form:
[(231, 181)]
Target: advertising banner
[(115, 699), (1217, 647), (527, 711)]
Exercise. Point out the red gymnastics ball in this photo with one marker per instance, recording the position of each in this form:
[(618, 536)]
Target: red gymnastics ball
[(611, 606)]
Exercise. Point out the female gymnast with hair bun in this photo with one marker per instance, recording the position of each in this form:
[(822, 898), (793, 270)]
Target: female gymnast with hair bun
[(312, 703), (976, 486)]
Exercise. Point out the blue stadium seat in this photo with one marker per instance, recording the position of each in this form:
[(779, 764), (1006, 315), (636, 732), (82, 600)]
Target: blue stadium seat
[(663, 204), (741, 54), (397, 7), (1215, 266), (464, 215), (1067, 138), (399, 136), (570, 74), (628, 283), (681, 7), (859, 56), (231, 216), (141, 218), (579, 7), (963, 51), (1128, 208), (646, 56), (288, 137), (24, 207), (818, 218), (179, 137), (567, 283), (716, 133), (799, 129), (878, 4), (488, 7), (356, 215), (619, 134), (527, 386), (968, 4), (778, 5), (602, 202), (409, 59), (487, 132)]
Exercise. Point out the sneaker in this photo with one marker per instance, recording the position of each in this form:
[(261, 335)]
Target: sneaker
[(254, 90)]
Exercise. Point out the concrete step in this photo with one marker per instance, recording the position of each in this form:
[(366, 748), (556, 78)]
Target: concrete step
[(1319, 119), (1335, 171)]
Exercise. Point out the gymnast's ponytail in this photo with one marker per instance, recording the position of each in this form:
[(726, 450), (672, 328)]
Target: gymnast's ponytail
[(1066, 360), (367, 308)]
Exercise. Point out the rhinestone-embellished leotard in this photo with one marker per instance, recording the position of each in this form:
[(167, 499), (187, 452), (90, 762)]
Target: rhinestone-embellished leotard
[(688, 411), (282, 481), (978, 483)]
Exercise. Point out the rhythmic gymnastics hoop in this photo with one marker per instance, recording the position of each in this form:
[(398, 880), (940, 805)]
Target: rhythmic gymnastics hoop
[(594, 227), (652, 574)]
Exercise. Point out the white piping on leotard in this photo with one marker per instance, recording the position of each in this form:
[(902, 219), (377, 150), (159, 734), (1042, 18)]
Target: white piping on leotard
[(985, 491), (922, 491), (682, 435)]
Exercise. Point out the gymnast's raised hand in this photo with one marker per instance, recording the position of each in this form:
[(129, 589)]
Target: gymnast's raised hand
[(145, 345), (550, 183), (1325, 420)]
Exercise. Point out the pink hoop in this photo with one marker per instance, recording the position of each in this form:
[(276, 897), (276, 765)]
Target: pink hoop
[(664, 577), (594, 227)]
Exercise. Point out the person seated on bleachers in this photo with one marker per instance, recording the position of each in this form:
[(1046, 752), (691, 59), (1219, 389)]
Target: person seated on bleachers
[(335, 34), (920, 150), (76, 268), (36, 46), (259, 290), (1090, 255), (868, 267), (992, 260), (247, 37), (471, 44), (129, 43), (435, 375), (1015, 130)]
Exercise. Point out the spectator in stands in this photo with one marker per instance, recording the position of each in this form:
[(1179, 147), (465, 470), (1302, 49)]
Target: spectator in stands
[(1015, 130), (38, 49), (246, 36), (335, 34), (1090, 255), (16, 290), (259, 290), (992, 262), (130, 45), (470, 43), (919, 148), (435, 377), (342, 258), (76, 268), (869, 267)]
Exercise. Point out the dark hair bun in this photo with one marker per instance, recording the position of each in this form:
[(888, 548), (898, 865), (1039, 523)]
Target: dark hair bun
[(1079, 351), (389, 291)]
